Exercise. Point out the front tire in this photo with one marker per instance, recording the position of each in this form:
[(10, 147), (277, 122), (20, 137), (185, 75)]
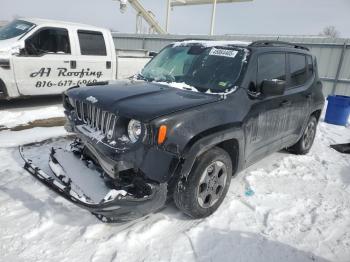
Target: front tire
[(304, 144), (207, 184)]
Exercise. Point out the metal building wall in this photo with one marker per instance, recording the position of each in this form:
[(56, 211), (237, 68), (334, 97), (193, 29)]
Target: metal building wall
[(333, 55)]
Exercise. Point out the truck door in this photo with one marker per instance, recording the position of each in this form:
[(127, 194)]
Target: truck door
[(96, 57), (37, 69), (266, 124)]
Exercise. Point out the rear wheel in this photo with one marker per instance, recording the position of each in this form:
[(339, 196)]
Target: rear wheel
[(206, 187), (304, 144)]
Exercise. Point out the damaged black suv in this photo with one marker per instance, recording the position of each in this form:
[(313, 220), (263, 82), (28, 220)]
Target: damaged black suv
[(197, 114)]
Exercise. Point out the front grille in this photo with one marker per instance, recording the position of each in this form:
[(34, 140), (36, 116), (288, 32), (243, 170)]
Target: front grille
[(95, 118)]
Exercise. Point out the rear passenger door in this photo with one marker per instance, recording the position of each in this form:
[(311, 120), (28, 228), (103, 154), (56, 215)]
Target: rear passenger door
[(298, 93), (94, 61)]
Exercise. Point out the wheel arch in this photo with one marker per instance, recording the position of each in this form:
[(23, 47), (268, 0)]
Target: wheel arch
[(231, 146), (317, 114), (229, 138)]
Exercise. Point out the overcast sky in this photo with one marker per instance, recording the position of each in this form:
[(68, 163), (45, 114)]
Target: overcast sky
[(291, 17)]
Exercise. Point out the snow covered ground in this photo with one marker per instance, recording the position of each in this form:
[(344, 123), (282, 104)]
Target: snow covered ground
[(12, 118), (300, 211)]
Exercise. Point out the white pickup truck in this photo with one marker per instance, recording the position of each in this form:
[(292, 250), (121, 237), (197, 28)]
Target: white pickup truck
[(45, 57)]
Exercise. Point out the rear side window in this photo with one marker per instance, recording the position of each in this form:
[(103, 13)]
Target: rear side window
[(298, 72), (271, 67), (92, 43)]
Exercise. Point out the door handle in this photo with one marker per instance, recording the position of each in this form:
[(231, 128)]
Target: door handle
[(73, 64), (286, 103)]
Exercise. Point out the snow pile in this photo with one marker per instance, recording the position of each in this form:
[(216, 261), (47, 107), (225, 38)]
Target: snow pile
[(182, 86), (92, 99), (185, 86), (12, 118)]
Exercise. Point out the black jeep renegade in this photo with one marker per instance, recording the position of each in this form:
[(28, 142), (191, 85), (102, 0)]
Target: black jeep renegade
[(197, 114)]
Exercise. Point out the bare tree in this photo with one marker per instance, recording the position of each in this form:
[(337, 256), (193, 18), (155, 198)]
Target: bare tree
[(330, 31)]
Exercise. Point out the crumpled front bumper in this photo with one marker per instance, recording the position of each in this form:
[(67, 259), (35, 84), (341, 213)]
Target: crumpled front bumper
[(120, 209)]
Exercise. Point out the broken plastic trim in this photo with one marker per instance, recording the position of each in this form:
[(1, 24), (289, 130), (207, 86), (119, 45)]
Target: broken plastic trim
[(120, 209)]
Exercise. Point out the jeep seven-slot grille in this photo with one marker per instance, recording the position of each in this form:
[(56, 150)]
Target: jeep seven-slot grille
[(96, 118)]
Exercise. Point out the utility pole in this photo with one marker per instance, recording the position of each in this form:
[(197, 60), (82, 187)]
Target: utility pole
[(213, 14), (168, 16)]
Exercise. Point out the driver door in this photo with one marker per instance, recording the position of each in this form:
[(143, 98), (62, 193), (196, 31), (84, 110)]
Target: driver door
[(37, 70), (267, 122)]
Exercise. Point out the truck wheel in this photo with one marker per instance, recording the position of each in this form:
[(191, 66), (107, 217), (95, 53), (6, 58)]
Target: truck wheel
[(206, 186), (304, 144)]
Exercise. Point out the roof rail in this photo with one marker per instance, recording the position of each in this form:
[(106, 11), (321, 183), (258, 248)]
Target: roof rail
[(268, 43)]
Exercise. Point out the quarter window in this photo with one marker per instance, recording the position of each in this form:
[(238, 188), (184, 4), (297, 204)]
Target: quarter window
[(92, 43), (271, 67), (310, 66), (298, 73)]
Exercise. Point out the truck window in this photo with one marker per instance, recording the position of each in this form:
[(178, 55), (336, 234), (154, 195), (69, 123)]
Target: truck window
[(298, 73), (271, 66), (49, 40), (92, 43)]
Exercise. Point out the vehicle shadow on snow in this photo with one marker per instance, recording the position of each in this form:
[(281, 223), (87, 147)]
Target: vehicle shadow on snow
[(218, 245)]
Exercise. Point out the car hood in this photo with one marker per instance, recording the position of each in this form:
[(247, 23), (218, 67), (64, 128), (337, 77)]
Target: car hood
[(6, 45), (141, 100)]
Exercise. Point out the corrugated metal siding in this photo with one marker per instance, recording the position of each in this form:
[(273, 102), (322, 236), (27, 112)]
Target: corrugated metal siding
[(329, 52)]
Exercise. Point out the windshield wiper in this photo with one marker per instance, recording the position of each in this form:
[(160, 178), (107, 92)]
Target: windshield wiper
[(142, 77)]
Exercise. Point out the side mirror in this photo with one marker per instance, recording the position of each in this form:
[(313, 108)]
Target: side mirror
[(152, 53), (18, 48), (273, 87)]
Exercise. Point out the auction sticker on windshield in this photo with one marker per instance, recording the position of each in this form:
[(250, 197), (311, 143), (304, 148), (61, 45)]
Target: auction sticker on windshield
[(223, 52), (22, 27)]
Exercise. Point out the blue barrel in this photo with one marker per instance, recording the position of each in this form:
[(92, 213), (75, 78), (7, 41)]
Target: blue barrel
[(338, 110)]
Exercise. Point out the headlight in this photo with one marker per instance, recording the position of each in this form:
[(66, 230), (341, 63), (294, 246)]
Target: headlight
[(134, 130), (71, 101)]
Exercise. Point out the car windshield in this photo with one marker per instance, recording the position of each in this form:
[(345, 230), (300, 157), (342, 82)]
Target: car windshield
[(214, 69), (14, 29)]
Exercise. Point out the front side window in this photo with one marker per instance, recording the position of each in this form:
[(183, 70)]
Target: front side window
[(14, 29), (271, 66), (298, 72), (92, 43), (206, 68), (49, 41)]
